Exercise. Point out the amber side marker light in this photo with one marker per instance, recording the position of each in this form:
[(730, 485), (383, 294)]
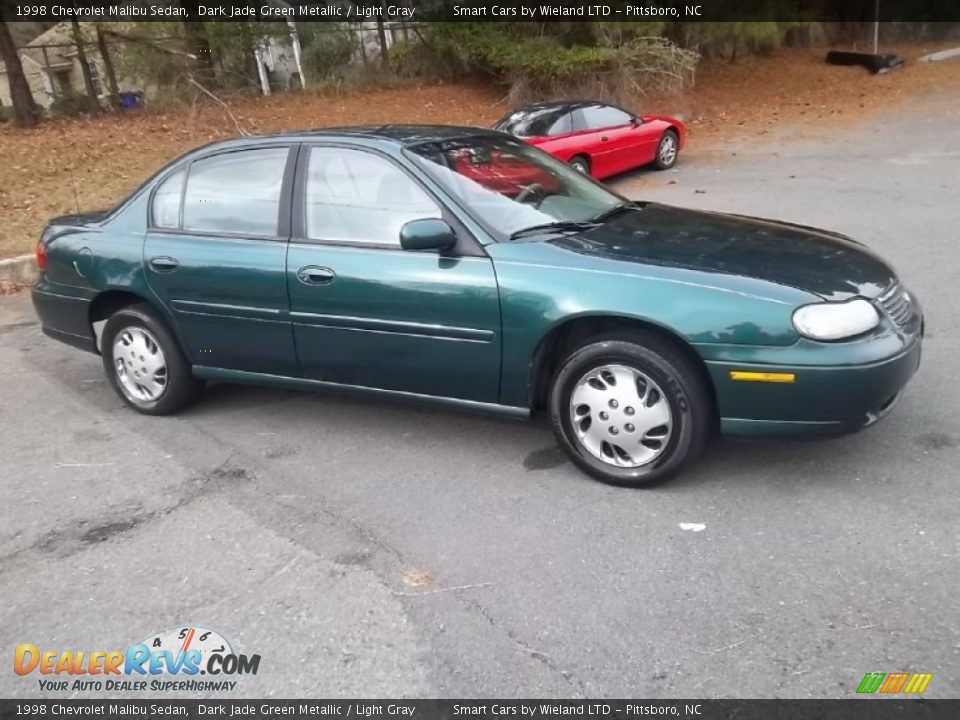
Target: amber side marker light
[(771, 377)]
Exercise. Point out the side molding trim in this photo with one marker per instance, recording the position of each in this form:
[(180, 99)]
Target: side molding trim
[(253, 378)]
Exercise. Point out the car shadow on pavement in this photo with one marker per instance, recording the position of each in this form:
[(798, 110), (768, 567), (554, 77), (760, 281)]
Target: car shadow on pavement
[(529, 446)]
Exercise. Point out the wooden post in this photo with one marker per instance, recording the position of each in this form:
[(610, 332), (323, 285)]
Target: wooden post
[(47, 71)]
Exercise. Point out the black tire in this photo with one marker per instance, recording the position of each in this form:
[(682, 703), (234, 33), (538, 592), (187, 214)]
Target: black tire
[(667, 137), (684, 389), (180, 386), (581, 163)]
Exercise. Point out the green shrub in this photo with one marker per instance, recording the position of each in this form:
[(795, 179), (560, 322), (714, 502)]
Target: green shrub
[(70, 104), (327, 50), (616, 66), (414, 60)]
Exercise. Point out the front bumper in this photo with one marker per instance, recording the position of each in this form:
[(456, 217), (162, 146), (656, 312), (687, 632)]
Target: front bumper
[(820, 399)]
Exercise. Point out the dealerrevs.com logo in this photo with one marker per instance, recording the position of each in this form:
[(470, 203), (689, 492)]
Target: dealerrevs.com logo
[(170, 660)]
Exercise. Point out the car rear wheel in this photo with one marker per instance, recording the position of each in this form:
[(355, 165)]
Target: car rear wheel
[(580, 164), (630, 410), (144, 363), (667, 151)]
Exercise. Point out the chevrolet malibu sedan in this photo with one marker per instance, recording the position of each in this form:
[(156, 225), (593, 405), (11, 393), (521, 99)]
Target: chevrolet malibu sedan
[(598, 139), (398, 261)]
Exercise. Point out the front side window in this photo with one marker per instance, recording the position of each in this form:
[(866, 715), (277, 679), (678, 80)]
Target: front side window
[(355, 196), (511, 185), (601, 116), (236, 192)]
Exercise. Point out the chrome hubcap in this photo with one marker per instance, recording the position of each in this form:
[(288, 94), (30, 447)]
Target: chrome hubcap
[(580, 167), (140, 364), (668, 149), (621, 416)]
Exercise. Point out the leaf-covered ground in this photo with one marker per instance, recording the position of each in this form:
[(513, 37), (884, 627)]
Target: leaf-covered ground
[(91, 163)]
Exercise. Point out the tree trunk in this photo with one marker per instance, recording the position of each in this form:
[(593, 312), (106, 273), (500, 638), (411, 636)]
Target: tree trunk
[(382, 37), (363, 44), (199, 45), (24, 110), (92, 105), (108, 68)]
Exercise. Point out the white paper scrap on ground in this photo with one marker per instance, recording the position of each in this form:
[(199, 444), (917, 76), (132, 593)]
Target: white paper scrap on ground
[(693, 527)]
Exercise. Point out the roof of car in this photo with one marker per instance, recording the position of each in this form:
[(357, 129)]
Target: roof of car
[(567, 104), (404, 135)]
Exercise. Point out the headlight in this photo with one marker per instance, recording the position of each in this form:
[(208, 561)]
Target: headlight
[(835, 321)]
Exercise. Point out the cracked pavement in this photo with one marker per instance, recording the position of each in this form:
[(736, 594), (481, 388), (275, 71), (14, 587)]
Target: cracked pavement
[(289, 521)]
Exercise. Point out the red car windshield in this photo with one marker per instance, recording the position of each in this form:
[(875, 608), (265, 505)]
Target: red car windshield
[(510, 185)]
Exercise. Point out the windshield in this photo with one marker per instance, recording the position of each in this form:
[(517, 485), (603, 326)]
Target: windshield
[(510, 185)]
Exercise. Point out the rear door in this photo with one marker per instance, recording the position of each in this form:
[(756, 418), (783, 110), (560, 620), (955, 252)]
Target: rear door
[(215, 256), (368, 313)]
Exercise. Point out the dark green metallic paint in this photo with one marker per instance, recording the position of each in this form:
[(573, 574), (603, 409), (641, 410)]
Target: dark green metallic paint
[(398, 320), (228, 299), (427, 234), (467, 329)]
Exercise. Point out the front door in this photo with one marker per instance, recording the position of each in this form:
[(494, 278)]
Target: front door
[(366, 312), (611, 137), (215, 256)]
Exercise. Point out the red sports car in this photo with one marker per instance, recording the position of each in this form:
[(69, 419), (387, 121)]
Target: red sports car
[(596, 138), (503, 172)]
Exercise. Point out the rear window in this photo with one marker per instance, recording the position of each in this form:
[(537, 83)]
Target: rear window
[(537, 122)]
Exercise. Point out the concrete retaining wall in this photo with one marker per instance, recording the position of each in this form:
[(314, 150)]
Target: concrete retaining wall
[(21, 270)]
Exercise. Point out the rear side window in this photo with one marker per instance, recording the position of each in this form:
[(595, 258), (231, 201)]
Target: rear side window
[(237, 192), (166, 201), (601, 116), (562, 124)]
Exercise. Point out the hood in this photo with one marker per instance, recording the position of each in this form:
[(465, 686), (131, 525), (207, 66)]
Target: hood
[(811, 260)]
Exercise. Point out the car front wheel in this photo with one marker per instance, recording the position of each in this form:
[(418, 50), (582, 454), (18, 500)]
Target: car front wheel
[(580, 164), (630, 410), (144, 363), (668, 150)]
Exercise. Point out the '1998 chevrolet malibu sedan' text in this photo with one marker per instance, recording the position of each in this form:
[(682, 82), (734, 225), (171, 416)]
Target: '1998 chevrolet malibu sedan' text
[(405, 261)]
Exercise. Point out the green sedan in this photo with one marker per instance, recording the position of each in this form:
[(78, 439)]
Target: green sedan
[(462, 266)]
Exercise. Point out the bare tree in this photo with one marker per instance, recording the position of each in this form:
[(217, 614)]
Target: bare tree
[(93, 107), (382, 37), (24, 109), (108, 67), (198, 45)]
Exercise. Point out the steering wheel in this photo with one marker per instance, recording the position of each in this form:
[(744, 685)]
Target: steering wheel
[(529, 190)]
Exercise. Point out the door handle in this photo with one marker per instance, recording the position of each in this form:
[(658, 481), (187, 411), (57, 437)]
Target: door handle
[(314, 275), (164, 264), (604, 138)]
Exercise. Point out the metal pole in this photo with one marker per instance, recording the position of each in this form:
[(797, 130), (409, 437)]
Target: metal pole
[(295, 42), (876, 28)]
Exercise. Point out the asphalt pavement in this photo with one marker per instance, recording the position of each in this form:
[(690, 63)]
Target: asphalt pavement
[(364, 548)]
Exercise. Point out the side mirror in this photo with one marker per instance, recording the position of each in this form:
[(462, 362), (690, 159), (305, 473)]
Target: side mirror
[(427, 234), (636, 120)]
